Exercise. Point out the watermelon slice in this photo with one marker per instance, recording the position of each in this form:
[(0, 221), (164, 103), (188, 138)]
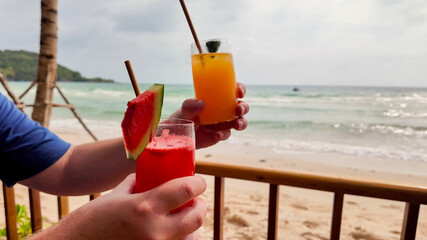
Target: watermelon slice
[(141, 119)]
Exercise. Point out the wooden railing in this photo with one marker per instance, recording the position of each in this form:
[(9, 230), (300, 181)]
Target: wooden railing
[(35, 210), (413, 196)]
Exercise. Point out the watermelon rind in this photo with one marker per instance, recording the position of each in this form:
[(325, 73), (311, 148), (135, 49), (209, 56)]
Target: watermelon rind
[(129, 121)]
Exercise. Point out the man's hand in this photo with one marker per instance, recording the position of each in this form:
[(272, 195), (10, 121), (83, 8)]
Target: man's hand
[(123, 215), (209, 135)]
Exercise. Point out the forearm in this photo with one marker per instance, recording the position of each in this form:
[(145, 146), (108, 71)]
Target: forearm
[(84, 169), (79, 224), (100, 165), (54, 232)]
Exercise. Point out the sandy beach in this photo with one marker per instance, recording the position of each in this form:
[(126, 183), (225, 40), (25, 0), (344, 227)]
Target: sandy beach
[(303, 214), (306, 214)]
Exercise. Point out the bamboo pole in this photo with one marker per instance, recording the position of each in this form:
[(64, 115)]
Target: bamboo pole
[(15, 99), (21, 105), (28, 89), (73, 110)]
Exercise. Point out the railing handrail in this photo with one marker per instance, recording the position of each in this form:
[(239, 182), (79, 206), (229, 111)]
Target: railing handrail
[(346, 185)]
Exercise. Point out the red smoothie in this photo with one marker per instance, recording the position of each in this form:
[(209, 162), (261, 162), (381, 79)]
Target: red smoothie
[(164, 158)]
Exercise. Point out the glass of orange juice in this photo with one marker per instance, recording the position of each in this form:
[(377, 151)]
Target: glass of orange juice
[(214, 80)]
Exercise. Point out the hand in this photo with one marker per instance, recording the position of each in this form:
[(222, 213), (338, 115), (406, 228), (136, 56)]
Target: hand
[(123, 215), (209, 135)]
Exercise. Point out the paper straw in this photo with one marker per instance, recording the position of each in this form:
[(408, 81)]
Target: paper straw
[(132, 78), (190, 24)]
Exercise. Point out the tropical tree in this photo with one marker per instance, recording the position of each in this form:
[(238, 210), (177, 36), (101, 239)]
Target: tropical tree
[(46, 77), (46, 72)]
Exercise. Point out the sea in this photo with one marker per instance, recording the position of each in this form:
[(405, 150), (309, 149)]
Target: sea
[(388, 122)]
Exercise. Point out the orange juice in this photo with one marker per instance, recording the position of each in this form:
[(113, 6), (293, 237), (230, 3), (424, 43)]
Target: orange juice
[(214, 83)]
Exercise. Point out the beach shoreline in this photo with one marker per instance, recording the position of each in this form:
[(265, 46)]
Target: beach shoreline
[(381, 168)]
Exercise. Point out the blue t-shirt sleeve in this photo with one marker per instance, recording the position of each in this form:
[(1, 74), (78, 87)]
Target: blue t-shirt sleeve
[(26, 148)]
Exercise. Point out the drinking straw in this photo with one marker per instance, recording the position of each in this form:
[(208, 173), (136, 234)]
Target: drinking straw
[(132, 78), (190, 24)]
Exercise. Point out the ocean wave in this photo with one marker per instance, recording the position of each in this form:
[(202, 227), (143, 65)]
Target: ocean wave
[(349, 128), (73, 123), (120, 112), (283, 125), (261, 101), (400, 130), (402, 99), (175, 99), (280, 100), (353, 97), (384, 129), (110, 93), (399, 113), (98, 93)]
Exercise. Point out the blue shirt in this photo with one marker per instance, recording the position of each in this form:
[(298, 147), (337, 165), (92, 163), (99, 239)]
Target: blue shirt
[(26, 148)]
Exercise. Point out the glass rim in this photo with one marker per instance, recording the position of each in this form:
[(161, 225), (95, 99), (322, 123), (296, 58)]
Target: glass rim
[(175, 122)]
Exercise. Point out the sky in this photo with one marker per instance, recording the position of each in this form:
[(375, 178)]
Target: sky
[(283, 42)]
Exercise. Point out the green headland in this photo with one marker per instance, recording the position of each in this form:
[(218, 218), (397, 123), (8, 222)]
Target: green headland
[(22, 66)]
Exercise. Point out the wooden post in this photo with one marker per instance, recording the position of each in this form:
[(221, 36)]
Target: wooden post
[(35, 210), (337, 216), (219, 209), (410, 221), (273, 211), (10, 213), (94, 196), (63, 207)]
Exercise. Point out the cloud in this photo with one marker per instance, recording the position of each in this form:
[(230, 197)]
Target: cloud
[(19, 24), (153, 17)]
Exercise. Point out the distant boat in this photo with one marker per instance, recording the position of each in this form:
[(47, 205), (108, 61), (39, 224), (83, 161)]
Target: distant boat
[(296, 89)]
